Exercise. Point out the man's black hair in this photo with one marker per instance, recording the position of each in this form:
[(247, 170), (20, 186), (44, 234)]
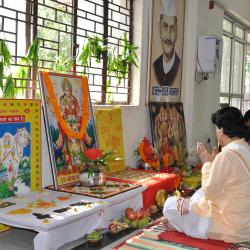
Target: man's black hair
[(231, 120), (246, 116)]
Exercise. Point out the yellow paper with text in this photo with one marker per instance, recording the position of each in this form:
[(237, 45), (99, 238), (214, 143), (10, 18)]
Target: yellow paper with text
[(110, 135)]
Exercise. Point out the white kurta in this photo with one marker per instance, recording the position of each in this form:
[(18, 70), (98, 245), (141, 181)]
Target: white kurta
[(191, 224), (226, 201)]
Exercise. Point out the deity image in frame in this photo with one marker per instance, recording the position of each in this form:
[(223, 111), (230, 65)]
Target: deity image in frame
[(168, 132), (64, 149)]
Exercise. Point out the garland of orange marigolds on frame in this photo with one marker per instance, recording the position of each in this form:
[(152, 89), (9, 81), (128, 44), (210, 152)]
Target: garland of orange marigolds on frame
[(61, 121)]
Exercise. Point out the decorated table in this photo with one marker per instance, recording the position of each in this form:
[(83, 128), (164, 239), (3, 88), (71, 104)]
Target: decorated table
[(117, 195), (118, 203), (58, 217), (152, 181)]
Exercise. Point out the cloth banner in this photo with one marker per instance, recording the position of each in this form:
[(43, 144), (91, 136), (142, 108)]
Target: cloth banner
[(110, 136)]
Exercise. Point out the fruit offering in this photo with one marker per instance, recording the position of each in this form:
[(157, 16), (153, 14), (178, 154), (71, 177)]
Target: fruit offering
[(95, 235), (137, 219), (117, 226)]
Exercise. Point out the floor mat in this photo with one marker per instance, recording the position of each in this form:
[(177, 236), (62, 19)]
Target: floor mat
[(147, 239), (160, 237)]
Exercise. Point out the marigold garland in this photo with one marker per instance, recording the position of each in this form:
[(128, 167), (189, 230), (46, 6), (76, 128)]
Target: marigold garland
[(85, 116)]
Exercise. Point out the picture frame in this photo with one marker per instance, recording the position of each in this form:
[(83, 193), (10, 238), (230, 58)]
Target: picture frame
[(20, 146), (165, 50), (169, 132), (69, 124)]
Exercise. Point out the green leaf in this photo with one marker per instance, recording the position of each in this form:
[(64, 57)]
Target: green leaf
[(9, 88), (5, 53), (1, 75), (32, 54)]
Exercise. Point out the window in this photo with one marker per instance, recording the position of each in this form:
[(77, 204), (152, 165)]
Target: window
[(62, 27), (235, 82)]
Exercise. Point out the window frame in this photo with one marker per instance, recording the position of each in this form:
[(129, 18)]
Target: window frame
[(31, 31), (234, 39)]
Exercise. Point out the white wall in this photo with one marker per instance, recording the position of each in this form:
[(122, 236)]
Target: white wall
[(202, 99), (239, 8), (199, 99), (205, 99)]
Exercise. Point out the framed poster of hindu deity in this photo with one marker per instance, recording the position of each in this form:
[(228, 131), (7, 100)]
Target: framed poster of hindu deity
[(20, 147), (165, 51), (169, 133), (69, 124)]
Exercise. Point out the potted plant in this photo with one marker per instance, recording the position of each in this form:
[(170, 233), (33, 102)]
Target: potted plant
[(118, 65), (118, 62), (93, 47), (95, 165)]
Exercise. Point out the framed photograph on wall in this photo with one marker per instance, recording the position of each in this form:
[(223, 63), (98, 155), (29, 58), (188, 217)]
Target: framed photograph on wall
[(166, 50), (69, 124), (169, 132)]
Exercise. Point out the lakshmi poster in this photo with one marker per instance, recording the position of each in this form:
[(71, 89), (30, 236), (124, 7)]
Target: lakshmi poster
[(20, 152), (165, 60), (69, 124), (169, 133)]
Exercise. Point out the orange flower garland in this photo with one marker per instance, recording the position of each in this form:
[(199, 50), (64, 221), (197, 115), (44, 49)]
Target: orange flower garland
[(85, 116)]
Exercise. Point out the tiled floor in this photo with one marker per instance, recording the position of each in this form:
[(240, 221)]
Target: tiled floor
[(17, 239), (21, 239)]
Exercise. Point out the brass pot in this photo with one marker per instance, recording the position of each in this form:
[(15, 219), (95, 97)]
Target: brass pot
[(95, 179)]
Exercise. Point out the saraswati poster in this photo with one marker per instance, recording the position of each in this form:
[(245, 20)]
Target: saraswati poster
[(69, 124)]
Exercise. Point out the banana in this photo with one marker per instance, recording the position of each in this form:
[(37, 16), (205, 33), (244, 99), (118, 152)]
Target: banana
[(177, 193), (159, 193), (161, 197)]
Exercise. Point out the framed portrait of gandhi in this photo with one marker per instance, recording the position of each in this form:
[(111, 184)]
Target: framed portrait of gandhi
[(165, 51)]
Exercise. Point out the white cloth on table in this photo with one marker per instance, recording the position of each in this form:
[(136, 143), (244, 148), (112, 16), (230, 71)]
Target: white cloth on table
[(52, 240), (190, 223), (118, 203), (63, 226), (69, 228)]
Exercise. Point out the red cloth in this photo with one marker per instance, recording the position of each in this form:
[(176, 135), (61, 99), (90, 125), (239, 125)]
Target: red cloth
[(193, 242), (168, 182)]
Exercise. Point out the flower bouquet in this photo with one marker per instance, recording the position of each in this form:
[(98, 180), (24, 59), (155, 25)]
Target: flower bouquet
[(95, 160)]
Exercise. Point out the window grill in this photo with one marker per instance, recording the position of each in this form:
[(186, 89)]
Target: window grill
[(234, 78), (62, 27)]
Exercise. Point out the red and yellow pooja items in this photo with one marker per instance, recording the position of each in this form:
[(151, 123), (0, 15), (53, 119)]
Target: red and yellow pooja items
[(148, 154), (42, 204), (20, 211), (63, 198)]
